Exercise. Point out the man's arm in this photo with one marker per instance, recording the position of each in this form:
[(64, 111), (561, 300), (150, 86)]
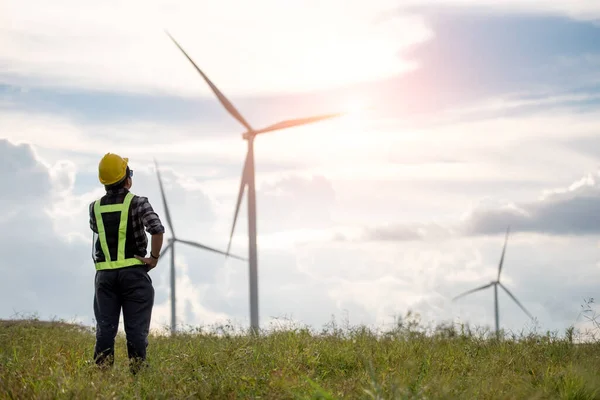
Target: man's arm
[(156, 244), (93, 225), (154, 227), (149, 218)]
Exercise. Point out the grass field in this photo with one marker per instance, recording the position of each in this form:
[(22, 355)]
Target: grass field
[(51, 360)]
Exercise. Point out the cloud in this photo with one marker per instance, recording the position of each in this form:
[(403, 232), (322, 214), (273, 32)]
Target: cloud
[(39, 262), (578, 9), (122, 47), (456, 68), (571, 210), (574, 210), (459, 68), (309, 282), (395, 233), (295, 202), (285, 291), (423, 275), (46, 241), (20, 168)]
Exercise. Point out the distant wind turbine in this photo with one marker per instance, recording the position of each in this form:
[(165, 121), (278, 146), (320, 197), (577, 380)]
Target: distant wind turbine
[(495, 284), (248, 180), (171, 246)]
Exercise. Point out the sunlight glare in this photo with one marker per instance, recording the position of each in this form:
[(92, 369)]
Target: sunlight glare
[(356, 107), (355, 110)]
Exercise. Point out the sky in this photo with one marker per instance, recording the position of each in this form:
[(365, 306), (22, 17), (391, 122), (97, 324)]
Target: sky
[(462, 118)]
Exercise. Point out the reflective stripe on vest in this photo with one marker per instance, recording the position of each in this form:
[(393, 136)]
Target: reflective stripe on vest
[(124, 210)]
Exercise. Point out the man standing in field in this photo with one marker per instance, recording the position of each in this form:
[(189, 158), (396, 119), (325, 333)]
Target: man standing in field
[(122, 282)]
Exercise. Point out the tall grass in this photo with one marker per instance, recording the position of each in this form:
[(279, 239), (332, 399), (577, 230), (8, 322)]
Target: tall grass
[(50, 360)]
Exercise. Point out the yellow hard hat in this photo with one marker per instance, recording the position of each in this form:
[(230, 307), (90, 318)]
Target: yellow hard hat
[(112, 169)]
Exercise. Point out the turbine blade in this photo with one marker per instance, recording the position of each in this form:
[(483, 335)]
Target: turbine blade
[(224, 101), (201, 246), (502, 256), (473, 290), (164, 199), (297, 122), (243, 183), (516, 301)]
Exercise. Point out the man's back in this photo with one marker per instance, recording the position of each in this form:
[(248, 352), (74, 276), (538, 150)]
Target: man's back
[(119, 221), (141, 214)]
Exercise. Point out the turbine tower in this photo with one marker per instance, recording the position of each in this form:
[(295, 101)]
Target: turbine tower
[(495, 284), (249, 180), (171, 246)]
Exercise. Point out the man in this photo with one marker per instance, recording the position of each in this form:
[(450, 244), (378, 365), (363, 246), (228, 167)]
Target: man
[(122, 282)]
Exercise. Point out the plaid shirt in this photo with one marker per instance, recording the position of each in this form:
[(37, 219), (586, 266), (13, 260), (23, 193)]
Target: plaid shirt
[(142, 213)]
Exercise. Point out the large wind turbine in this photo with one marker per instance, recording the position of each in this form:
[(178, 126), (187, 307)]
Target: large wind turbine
[(495, 284), (171, 246), (248, 180)]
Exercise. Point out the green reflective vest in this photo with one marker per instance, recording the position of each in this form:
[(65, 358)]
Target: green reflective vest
[(121, 261)]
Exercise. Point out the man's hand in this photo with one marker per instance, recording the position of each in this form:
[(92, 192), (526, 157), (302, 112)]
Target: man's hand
[(149, 261)]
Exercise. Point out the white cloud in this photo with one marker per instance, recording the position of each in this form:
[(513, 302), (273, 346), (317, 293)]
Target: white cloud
[(189, 301), (306, 279), (39, 262), (118, 46), (46, 241), (264, 46), (579, 9), (58, 216), (570, 211)]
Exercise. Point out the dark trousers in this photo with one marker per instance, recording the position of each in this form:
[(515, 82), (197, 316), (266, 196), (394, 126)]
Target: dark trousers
[(131, 290)]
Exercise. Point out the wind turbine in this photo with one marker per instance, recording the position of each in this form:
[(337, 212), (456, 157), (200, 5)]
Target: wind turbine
[(495, 284), (248, 180), (171, 246)]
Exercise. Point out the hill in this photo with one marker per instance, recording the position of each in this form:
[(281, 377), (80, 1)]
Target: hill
[(51, 360)]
